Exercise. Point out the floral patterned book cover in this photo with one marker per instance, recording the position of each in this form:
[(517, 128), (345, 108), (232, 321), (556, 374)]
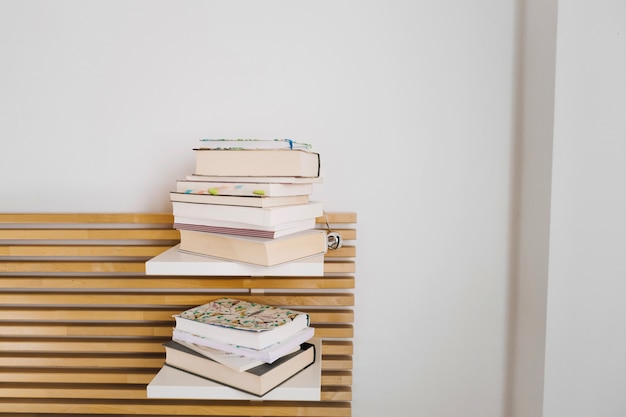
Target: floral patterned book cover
[(239, 314)]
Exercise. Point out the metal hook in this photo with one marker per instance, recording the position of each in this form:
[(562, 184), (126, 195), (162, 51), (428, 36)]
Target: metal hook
[(333, 239)]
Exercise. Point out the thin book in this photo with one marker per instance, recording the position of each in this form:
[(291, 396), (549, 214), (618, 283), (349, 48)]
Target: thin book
[(232, 200), (242, 323)]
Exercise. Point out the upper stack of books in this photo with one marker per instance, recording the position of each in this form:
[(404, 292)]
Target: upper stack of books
[(248, 346), (248, 201)]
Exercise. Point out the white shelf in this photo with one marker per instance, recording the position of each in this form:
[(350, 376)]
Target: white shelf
[(175, 262)]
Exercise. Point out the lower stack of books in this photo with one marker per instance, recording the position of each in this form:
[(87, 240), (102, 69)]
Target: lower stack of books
[(233, 344)]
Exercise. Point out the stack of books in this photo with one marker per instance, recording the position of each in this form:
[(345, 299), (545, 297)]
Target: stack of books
[(248, 201), (251, 347)]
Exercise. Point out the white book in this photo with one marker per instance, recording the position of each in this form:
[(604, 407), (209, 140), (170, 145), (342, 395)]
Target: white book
[(268, 355), (171, 383), (257, 216), (176, 262)]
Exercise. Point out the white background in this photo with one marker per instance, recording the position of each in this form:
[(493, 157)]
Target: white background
[(434, 123)]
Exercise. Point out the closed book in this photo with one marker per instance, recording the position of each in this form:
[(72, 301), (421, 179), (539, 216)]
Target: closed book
[(255, 250), (257, 162), (248, 179), (242, 323), (250, 143), (257, 381), (172, 383), (176, 262), (255, 216), (266, 189), (268, 355), (243, 229), (238, 200)]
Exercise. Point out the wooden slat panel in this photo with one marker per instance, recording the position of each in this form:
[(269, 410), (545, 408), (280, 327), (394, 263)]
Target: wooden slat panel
[(101, 319)]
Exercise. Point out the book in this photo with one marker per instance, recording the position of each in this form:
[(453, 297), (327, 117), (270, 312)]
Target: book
[(257, 162), (255, 250), (268, 355), (258, 380), (250, 179), (238, 363), (242, 323), (237, 200), (242, 229), (176, 262), (266, 189), (253, 144), (172, 383), (255, 216)]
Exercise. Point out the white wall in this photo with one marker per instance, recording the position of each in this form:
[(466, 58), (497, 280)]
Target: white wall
[(585, 364), (410, 104)]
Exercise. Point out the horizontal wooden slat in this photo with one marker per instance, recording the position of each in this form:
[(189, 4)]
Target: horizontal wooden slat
[(337, 217), (119, 375), (74, 251), (88, 218), (165, 407), (112, 391), (146, 314), (173, 282), (89, 234), (173, 299)]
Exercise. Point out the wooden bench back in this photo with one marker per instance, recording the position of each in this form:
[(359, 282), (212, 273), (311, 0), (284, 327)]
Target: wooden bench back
[(82, 325)]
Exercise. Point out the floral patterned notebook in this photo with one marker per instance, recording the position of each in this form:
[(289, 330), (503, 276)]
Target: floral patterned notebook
[(239, 314)]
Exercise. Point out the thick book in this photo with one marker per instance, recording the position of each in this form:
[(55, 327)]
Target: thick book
[(268, 355), (257, 162), (238, 200), (257, 381), (242, 323), (255, 216), (255, 250), (243, 229), (266, 189), (172, 383), (176, 262)]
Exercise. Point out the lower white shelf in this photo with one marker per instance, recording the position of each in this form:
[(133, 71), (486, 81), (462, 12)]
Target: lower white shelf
[(171, 383)]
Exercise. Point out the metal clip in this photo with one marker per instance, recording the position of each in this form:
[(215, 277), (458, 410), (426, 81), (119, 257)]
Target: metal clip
[(333, 239)]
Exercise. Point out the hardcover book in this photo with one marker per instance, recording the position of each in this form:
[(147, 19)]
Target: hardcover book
[(258, 380), (257, 162), (242, 323), (172, 383)]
